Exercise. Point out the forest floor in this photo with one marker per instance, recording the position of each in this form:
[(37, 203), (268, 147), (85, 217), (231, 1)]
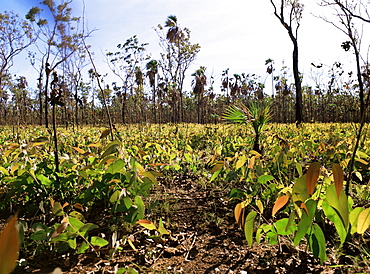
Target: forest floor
[(204, 239)]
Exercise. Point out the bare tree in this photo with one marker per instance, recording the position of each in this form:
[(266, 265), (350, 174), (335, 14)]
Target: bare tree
[(289, 15), (60, 38), (345, 11)]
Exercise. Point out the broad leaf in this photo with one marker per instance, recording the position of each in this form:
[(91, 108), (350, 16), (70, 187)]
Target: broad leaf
[(299, 191), (312, 176), (147, 224), (333, 216), (98, 241), (353, 218), (248, 227), (363, 222), (9, 246), (338, 178), (339, 204), (284, 228), (280, 203), (318, 243), (305, 221)]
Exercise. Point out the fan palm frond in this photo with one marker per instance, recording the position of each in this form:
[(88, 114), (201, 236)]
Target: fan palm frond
[(237, 114)]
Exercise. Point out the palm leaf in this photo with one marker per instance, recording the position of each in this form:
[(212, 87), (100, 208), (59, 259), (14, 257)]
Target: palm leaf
[(237, 114)]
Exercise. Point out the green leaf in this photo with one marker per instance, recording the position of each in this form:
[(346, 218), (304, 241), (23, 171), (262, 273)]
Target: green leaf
[(215, 174), (283, 227), (317, 243), (111, 148), (150, 176), (272, 237), (40, 235), (339, 204), (75, 223), (57, 209), (263, 179), (116, 166), (140, 207), (83, 247), (333, 216), (161, 228), (43, 180), (237, 114), (64, 237), (72, 243), (248, 227), (98, 241), (115, 196), (299, 191), (86, 228), (260, 206), (299, 168), (305, 221)]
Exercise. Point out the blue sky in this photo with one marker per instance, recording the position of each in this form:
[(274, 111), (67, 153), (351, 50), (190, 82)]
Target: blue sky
[(235, 34)]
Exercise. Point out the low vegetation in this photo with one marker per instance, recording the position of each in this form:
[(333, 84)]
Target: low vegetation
[(107, 193)]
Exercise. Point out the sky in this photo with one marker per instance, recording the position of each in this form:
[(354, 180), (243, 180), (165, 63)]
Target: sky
[(235, 34)]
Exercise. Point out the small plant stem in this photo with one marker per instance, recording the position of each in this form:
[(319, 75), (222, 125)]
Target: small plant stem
[(55, 137), (358, 138)]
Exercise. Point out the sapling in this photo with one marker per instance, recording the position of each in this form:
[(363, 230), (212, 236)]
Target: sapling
[(257, 114)]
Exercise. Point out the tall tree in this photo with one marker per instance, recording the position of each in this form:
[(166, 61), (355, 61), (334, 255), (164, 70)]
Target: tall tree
[(16, 35), (152, 71), (198, 83), (59, 39), (289, 14), (177, 56), (124, 63)]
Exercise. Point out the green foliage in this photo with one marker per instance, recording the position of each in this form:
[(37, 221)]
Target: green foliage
[(290, 192)]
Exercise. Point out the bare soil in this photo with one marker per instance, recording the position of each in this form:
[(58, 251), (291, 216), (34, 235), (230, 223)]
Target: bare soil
[(203, 239)]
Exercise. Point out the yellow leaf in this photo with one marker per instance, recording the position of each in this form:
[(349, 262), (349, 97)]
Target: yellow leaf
[(259, 205), (13, 146), (94, 145), (146, 224), (239, 214), (9, 246), (14, 168), (3, 170), (79, 150), (131, 244), (363, 222), (241, 162)]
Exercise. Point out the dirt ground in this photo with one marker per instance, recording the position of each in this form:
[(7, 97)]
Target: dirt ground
[(203, 239)]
